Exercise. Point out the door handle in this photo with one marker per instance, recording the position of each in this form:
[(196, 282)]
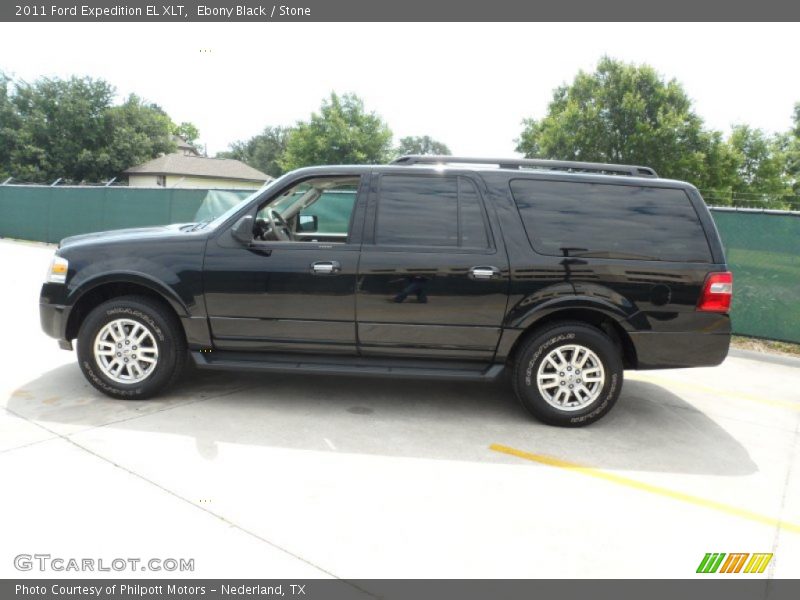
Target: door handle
[(327, 267), (483, 273)]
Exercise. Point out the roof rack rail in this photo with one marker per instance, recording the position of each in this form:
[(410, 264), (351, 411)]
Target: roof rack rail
[(529, 163)]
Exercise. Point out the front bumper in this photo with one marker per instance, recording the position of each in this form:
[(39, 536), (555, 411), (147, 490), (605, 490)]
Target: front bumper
[(54, 312), (53, 319)]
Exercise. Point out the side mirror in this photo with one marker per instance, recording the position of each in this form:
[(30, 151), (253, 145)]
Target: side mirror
[(242, 231), (307, 223)]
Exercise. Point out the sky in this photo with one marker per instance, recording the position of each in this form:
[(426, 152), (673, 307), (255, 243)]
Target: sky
[(467, 85)]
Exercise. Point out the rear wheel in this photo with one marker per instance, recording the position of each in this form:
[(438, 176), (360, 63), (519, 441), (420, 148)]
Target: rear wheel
[(569, 374), (131, 348)]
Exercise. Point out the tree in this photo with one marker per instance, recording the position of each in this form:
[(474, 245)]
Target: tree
[(760, 163), (341, 133), (187, 132), (9, 126), (136, 132), (717, 179), (791, 144), (69, 129), (421, 145), (264, 152), (61, 125), (625, 113)]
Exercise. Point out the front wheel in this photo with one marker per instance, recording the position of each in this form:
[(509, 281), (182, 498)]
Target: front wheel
[(131, 348), (568, 375)]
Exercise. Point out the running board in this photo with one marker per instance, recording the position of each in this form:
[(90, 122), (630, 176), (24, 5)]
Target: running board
[(346, 365)]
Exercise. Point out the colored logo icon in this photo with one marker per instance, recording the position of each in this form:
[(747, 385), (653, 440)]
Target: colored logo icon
[(738, 562)]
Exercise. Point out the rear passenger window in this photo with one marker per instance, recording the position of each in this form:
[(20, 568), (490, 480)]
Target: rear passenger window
[(429, 211), (610, 221)]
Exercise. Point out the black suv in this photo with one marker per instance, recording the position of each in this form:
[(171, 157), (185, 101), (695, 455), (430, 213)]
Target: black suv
[(430, 267)]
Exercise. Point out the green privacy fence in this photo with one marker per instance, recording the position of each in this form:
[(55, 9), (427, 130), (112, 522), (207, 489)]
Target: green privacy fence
[(763, 248), (49, 214), (763, 251)]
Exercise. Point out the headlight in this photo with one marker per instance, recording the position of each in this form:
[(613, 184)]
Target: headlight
[(57, 273)]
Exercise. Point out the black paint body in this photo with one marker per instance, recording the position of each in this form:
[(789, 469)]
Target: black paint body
[(398, 303)]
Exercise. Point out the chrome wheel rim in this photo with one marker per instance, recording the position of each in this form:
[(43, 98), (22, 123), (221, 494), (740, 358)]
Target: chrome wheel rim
[(570, 377), (126, 351)]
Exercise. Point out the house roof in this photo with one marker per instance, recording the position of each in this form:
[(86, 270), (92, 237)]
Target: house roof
[(178, 163), (184, 146)]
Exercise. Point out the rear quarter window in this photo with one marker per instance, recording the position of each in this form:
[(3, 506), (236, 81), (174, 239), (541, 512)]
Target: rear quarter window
[(610, 221)]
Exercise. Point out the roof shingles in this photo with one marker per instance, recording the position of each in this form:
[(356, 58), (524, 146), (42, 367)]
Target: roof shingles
[(198, 166)]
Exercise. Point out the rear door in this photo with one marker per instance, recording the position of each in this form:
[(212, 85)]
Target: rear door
[(432, 281)]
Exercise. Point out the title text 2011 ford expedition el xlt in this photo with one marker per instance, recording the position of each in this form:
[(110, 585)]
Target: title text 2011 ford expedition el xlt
[(565, 273)]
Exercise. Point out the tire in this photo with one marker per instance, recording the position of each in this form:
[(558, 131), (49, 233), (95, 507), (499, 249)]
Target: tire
[(121, 322), (538, 364)]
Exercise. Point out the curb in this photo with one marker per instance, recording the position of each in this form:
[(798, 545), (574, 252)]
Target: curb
[(776, 359)]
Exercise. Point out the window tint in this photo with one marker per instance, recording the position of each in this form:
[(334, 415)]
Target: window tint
[(421, 211), (429, 211), (610, 221)]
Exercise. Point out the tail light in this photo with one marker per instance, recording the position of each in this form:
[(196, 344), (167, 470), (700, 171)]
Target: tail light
[(717, 293)]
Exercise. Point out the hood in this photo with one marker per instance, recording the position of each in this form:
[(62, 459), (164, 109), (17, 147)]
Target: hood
[(123, 235)]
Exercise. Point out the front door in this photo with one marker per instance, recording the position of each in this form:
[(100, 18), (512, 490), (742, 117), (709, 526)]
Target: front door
[(292, 287), (432, 281)]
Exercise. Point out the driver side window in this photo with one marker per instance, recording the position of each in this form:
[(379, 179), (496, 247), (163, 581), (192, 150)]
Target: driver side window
[(314, 210)]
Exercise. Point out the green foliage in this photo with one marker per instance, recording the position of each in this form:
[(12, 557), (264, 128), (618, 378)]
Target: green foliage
[(791, 144), (62, 125), (421, 145), (69, 129), (760, 162), (137, 132), (342, 132), (9, 126), (187, 131), (719, 170), (263, 152), (623, 113)]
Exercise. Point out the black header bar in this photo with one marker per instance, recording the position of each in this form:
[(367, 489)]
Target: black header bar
[(398, 10)]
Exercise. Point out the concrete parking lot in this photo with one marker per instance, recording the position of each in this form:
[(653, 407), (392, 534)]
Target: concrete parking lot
[(298, 476)]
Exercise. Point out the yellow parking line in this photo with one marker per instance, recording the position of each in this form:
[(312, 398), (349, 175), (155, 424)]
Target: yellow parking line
[(705, 389), (647, 487)]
